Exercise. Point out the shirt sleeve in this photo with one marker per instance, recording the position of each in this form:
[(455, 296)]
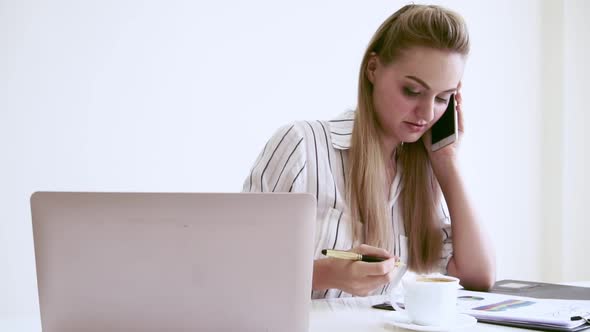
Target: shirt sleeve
[(447, 236), (281, 166)]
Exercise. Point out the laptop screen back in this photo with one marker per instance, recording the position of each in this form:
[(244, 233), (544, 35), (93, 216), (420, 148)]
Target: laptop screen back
[(173, 262)]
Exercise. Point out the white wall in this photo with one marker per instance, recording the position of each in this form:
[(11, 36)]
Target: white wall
[(564, 184), (181, 96), (576, 182), (552, 97)]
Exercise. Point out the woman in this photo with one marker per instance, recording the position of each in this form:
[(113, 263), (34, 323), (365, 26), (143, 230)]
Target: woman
[(378, 184)]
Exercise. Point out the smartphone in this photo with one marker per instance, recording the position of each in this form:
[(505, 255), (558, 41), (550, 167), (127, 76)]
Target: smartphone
[(445, 130), (384, 306), (387, 306)]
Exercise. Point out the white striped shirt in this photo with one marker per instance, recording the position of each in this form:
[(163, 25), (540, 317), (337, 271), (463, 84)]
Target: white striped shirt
[(312, 157)]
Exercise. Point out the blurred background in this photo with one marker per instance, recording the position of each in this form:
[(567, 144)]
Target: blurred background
[(181, 96)]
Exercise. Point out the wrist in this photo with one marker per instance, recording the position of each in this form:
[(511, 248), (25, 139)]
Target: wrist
[(442, 159), (321, 275), (446, 172)]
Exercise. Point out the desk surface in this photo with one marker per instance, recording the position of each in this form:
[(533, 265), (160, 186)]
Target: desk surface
[(352, 314), (356, 314)]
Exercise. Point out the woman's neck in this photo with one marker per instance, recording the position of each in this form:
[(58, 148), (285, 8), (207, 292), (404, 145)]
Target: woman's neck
[(389, 145)]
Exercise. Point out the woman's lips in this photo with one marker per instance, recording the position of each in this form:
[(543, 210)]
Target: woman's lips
[(415, 127)]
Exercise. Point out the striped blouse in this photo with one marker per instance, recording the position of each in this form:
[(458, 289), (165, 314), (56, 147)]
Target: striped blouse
[(312, 157)]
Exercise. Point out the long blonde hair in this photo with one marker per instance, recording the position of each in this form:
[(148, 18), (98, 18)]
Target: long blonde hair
[(413, 25)]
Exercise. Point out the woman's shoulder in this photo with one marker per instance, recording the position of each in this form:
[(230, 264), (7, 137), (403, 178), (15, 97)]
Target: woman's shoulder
[(344, 120), (336, 131), (341, 124)]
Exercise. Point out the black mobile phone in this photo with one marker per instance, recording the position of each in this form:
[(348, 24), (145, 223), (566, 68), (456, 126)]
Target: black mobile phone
[(445, 131), (384, 306), (387, 306)]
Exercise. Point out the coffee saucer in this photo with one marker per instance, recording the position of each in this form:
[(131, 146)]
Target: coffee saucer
[(401, 319)]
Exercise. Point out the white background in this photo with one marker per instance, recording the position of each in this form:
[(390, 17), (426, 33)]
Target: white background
[(182, 95)]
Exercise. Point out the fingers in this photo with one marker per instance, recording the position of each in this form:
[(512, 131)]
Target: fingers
[(458, 96), (459, 107), (377, 281), (368, 285), (372, 251), (460, 121), (364, 277), (377, 269), (371, 283), (427, 140)]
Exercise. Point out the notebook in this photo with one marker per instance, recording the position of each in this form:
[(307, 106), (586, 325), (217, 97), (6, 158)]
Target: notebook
[(518, 311), (541, 290), (532, 305), (173, 261), (528, 312)]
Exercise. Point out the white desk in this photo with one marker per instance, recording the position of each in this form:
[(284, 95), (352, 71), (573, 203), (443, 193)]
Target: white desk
[(321, 321), (342, 315), (325, 317), (356, 314)]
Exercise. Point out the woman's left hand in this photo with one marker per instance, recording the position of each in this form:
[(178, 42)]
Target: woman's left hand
[(449, 152)]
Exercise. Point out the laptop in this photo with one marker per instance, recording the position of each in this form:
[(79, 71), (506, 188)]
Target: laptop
[(173, 261)]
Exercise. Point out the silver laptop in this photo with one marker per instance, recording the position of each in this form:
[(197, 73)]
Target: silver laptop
[(173, 262)]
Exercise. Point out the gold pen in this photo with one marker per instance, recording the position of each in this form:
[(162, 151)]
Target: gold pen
[(353, 256)]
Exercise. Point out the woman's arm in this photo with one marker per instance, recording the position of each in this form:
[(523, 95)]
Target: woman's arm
[(473, 258)]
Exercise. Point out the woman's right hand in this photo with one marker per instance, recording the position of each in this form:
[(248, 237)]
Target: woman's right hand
[(354, 277)]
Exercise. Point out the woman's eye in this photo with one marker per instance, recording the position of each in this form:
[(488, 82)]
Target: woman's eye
[(410, 92), (441, 100)]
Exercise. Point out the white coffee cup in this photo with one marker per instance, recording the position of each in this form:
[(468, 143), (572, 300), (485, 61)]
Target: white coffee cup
[(431, 300)]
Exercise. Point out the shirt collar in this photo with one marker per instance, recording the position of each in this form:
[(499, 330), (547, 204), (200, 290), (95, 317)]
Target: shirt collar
[(341, 130)]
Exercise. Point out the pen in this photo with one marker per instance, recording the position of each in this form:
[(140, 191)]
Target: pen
[(353, 256), (579, 318)]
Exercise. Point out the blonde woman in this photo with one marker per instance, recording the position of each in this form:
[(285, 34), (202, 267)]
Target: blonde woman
[(380, 189)]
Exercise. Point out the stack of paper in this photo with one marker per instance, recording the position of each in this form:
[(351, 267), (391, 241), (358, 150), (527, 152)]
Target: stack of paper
[(545, 314)]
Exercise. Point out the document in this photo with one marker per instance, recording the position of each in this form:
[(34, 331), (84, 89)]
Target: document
[(547, 314)]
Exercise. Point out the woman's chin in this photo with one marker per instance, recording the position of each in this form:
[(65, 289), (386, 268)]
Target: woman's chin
[(412, 138)]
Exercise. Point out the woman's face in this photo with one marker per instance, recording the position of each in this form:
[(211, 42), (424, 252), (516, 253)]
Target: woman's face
[(413, 91)]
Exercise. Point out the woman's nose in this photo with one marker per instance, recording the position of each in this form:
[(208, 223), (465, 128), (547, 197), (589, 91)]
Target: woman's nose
[(426, 110)]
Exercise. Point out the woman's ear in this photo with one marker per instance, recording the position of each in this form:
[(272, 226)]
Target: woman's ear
[(372, 67)]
